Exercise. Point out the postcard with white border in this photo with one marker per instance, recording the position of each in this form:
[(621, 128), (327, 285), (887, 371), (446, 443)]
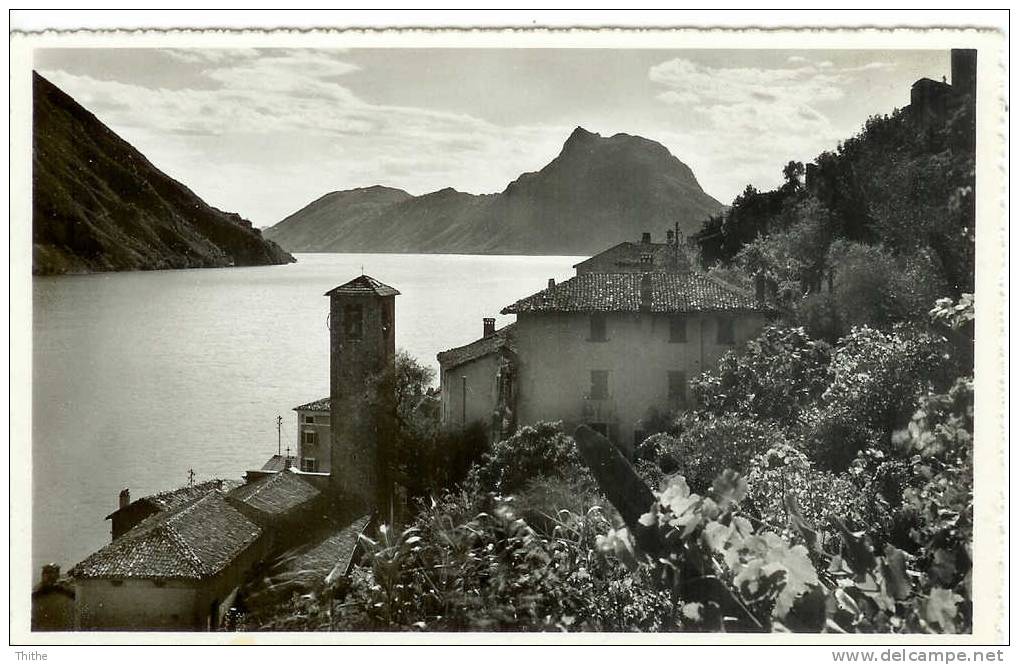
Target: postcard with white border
[(671, 336)]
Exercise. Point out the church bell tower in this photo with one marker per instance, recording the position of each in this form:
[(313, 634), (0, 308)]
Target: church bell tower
[(362, 414)]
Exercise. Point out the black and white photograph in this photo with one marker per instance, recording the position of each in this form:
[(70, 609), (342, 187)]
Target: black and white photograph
[(662, 337)]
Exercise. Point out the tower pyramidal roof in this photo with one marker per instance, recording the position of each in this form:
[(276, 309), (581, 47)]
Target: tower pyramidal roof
[(363, 286)]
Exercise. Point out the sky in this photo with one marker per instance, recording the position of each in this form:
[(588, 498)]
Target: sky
[(263, 132)]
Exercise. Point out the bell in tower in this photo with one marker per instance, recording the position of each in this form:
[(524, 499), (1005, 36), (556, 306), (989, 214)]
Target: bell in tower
[(362, 354)]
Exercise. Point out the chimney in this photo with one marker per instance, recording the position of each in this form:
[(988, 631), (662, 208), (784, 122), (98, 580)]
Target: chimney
[(670, 236), (645, 292), (488, 326), (645, 238), (50, 574), (124, 500), (551, 282)]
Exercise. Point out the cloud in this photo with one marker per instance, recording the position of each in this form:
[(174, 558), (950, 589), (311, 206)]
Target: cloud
[(752, 120), (278, 128)]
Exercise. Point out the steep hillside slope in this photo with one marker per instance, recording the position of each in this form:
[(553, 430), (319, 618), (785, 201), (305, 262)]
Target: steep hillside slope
[(99, 205)]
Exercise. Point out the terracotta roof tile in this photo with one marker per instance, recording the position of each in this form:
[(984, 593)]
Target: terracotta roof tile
[(195, 541), (621, 292), (503, 338), (629, 254), (173, 499), (363, 286), (278, 463), (275, 494), (317, 405)]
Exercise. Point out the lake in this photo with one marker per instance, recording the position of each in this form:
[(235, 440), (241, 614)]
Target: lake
[(139, 377)]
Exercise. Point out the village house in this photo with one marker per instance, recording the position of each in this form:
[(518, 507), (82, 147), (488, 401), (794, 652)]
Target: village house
[(285, 504), (176, 569), (475, 378), (53, 601), (313, 437), (603, 348), (131, 513)]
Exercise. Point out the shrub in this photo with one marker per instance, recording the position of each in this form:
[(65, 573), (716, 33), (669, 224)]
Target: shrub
[(543, 499), (494, 572), (875, 377), (779, 373), (708, 446), (783, 484), (539, 450)]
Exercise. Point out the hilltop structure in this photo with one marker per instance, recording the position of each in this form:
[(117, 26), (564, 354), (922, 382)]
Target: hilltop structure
[(601, 348), (932, 101)]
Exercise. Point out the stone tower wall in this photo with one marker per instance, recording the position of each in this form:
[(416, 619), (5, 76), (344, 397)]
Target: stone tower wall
[(359, 357)]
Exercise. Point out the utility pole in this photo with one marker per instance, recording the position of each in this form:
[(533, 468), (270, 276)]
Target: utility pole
[(279, 434), (676, 248), (191, 477)]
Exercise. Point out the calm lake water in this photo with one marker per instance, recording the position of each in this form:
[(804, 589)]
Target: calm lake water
[(139, 377)]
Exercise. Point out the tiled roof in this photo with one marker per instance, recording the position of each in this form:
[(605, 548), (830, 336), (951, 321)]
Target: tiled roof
[(630, 253), (195, 541), (621, 292), (275, 494), (278, 463), (317, 405), (503, 338), (364, 286), (173, 499)]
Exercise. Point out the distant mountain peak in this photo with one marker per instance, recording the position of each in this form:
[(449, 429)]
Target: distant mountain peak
[(597, 192), (581, 134)]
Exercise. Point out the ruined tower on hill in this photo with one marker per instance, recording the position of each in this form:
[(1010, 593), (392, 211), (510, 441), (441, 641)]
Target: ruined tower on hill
[(362, 353)]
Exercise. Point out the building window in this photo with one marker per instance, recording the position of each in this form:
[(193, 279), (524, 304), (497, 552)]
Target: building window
[(597, 328), (726, 332), (353, 321), (309, 464), (677, 388), (599, 384), (646, 259), (677, 329), (309, 438), (309, 419)]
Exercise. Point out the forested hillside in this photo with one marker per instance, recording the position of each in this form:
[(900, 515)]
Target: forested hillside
[(872, 232)]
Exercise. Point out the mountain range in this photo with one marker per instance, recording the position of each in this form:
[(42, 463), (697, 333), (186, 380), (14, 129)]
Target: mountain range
[(597, 192), (99, 205)]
